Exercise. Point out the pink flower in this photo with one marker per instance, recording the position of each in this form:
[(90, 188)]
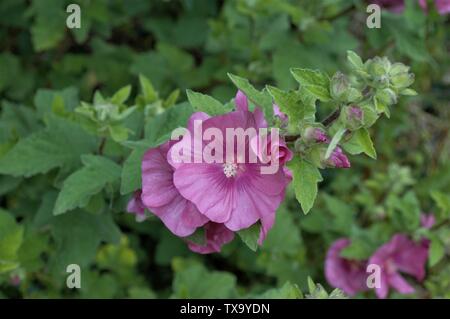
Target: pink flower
[(342, 273), (135, 206), (162, 198), (320, 136), (216, 235), (400, 254), (238, 194), (442, 6), (338, 159), (223, 196), (427, 220)]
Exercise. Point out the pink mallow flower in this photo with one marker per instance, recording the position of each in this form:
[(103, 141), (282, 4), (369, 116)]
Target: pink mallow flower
[(220, 197), (400, 254), (348, 275), (231, 193)]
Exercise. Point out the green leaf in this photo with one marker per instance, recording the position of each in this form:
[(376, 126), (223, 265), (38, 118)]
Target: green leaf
[(60, 145), (359, 249), (381, 107), (360, 142), (262, 99), (194, 281), (148, 91), (77, 235), (408, 92), (335, 141), (288, 291), (355, 61), (443, 203), (171, 99), (314, 82), (131, 171), (31, 250), (11, 236), (306, 176), (293, 104), (205, 103), (89, 180), (437, 251), (45, 99), (118, 133), (250, 236), (121, 95), (159, 129)]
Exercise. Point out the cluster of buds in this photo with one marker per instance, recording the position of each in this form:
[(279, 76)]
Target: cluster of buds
[(106, 115)]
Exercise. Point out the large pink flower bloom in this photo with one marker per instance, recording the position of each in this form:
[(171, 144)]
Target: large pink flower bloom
[(400, 254), (342, 273), (220, 197), (234, 193)]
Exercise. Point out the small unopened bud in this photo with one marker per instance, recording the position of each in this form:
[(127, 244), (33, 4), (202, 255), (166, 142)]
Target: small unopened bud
[(315, 135), (339, 86), (402, 80), (379, 66), (354, 117), (387, 96), (337, 159)]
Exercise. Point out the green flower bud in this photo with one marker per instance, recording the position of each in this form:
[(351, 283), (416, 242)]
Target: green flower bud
[(386, 96), (402, 80), (353, 117), (379, 67), (400, 77), (339, 86), (314, 135)]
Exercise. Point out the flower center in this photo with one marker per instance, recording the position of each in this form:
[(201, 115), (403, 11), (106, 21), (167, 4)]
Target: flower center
[(230, 169)]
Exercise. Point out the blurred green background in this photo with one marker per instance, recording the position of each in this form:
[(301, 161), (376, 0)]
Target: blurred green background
[(181, 44)]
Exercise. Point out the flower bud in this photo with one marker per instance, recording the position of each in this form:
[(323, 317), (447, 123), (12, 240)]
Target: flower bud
[(337, 159), (315, 135), (379, 66), (354, 117), (387, 96), (339, 86), (402, 80), (378, 69)]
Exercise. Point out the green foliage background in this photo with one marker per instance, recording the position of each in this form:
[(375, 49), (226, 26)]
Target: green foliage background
[(64, 190)]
